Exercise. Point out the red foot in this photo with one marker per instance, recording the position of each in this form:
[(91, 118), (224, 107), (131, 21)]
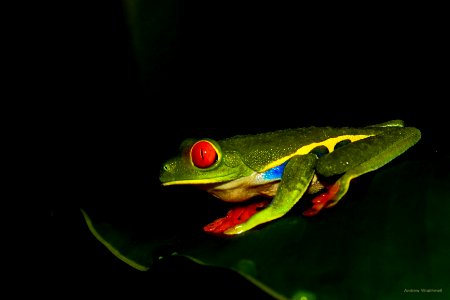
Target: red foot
[(234, 217), (322, 201)]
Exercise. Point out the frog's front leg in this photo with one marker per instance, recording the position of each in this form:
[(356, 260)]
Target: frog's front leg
[(297, 176), (358, 158)]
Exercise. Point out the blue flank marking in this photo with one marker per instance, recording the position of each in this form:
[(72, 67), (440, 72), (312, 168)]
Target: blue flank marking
[(275, 173)]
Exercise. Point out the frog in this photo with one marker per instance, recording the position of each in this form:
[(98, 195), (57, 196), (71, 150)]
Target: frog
[(283, 166)]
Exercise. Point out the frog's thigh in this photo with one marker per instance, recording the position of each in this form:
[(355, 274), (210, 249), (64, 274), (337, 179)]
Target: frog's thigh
[(297, 176), (365, 155)]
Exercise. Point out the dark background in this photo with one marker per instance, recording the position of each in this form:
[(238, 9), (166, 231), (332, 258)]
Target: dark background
[(127, 90)]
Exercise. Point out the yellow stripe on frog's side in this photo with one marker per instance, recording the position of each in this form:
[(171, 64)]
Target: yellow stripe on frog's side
[(329, 143)]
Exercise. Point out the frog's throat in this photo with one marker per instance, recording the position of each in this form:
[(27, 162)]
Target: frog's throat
[(244, 188)]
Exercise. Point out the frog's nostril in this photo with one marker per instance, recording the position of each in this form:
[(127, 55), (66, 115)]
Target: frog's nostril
[(167, 167)]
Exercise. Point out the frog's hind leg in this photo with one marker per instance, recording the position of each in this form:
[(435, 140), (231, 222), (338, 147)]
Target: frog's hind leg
[(358, 158)]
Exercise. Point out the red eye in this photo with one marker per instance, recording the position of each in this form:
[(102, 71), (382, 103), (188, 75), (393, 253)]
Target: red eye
[(203, 154)]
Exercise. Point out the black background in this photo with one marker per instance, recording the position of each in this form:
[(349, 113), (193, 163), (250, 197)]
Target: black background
[(112, 114)]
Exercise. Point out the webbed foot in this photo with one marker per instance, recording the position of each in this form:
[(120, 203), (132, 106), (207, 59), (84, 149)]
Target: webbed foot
[(323, 200), (235, 217)]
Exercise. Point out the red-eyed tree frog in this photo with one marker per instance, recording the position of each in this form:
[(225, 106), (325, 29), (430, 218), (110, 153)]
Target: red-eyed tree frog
[(284, 165)]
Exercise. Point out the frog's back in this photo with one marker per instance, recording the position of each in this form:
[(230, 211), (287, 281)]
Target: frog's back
[(260, 150)]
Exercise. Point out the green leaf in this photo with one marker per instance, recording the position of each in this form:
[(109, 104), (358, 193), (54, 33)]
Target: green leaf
[(388, 237)]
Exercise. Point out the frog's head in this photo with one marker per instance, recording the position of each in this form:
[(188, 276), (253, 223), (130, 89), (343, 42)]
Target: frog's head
[(202, 162)]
